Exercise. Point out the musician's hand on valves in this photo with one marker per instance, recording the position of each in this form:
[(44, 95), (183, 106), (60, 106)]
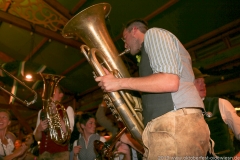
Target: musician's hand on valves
[(43, 125), (125, 138), (53, 107), (108, 82)]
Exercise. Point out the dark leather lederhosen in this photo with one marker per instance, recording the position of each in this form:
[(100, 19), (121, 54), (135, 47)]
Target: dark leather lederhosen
[(219, 130)]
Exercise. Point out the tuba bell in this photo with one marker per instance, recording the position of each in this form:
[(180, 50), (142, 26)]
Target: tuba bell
[(89, 25), (55, 128)]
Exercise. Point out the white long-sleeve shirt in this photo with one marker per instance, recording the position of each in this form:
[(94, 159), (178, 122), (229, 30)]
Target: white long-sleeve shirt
[(230, 116)]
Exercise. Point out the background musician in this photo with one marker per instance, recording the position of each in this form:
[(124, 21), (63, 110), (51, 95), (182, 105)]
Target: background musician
[(222, 117), (48, 148)]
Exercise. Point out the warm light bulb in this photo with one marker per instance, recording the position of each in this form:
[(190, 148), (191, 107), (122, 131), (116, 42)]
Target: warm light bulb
[(28, 76)]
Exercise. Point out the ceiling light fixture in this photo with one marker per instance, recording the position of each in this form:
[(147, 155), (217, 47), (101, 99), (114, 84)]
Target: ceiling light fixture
[(28, 77)]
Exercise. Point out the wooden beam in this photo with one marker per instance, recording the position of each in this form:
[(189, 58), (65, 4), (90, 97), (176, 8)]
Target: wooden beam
[(214, 39), (7, 5), (14, 122), (22, 121), (223, 87), (19, 107), (227, 42), (214, 33), (59, 8), (79, 5), (38, 47), (5, 58), (89, 91), (220, 58), (222, 82), (32, 116), (19, 22), (160, 10), (74, 66)]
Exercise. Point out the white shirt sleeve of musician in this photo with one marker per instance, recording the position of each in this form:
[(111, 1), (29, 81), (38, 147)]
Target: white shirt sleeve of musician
[(230, 116), (38, 121), (70, 113), (102, 139)]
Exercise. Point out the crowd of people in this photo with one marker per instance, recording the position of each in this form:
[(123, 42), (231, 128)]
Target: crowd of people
[(179, 119), (13, 148)]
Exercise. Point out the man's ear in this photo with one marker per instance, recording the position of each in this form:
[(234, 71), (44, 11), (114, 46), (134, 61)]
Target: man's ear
[(134, 30), (61, 95)]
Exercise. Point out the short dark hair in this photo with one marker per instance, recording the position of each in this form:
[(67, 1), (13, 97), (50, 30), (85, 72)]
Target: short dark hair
[(84, 118), (140, 23)]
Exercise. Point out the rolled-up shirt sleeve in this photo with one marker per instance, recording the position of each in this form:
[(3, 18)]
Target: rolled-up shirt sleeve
[(230, 116), (162, 48)]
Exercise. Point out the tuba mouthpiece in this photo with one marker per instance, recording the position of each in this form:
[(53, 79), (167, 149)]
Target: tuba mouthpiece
[(127, 50)]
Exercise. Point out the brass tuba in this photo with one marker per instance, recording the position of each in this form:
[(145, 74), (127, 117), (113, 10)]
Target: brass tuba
[(89, 25), (55, 128)]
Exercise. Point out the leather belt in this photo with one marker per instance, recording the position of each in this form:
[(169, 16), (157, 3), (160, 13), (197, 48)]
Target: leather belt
[(189, 110)]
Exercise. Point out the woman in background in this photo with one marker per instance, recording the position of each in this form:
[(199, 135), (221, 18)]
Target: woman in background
[(76, 133), (83, 148), (6, 141)]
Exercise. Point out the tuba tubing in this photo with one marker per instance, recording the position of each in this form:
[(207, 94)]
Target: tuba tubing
[(105, 150), (90, 28), (127, 114), (55, 127)]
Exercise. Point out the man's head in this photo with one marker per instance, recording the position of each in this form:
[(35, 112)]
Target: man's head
[(133, 35), (199, 82), (58, 94)]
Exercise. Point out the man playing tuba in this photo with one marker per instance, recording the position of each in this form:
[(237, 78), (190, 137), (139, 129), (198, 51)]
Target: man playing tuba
[(172, 108), (49, 148)]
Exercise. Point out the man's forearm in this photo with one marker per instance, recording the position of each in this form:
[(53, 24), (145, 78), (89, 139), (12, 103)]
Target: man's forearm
[(38, 135), (155, 83), (133, 143)]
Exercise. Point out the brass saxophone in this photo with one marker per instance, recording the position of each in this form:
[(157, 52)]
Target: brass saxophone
[(55, 128), (90, 27)]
